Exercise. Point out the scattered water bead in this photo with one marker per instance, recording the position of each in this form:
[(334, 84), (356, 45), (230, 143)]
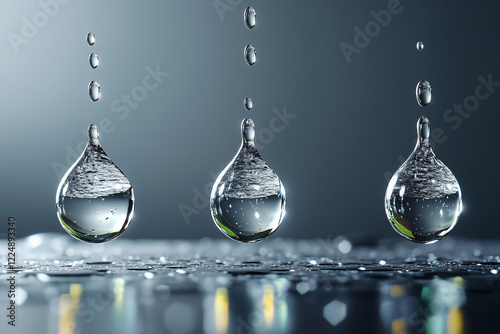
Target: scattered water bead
[(420, 46), (423, 92), (423, 200), (94, 200), (250, 54), (90, 38), (94, 60), (248, 199), (94, 91), (250, 17), (248, 103)]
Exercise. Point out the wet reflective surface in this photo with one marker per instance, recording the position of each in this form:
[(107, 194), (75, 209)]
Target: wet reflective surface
[(334, 284)]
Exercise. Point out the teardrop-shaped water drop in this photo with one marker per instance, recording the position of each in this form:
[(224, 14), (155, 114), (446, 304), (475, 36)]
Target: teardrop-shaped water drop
[(248, 103), (94, 60), (250, 17), (90, 38), (248, 199), (423, 93), (420, 46), (94, 91), (94, 200), (423, 200), (250, 54)]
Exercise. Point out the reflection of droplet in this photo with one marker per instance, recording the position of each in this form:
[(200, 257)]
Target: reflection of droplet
[(94, 91), (423, 200), (420, 46), (239, 193), (248, 103), (250, 54), (80, 204), (94, 60), (250, 17), (90, 38), (423, 93)]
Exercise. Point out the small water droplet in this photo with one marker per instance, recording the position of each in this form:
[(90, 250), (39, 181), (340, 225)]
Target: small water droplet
[(420, 46), (248, 103), (250, 17), (94, 60), (90, 38), (423, 93), (250, 54), (94, 91)]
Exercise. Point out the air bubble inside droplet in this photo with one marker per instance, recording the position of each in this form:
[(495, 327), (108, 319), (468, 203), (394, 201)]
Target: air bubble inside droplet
[(250, 54), (250, 17), (94, 91), (90, 38), (248, 206), (94, 60), (248, 103), (420, 46), (423, 93)]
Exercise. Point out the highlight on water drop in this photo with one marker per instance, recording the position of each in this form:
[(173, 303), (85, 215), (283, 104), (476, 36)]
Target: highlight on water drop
[(248, 103), (250, 17), (94, 60), (420, 46), (250, 54), (90, 38), (423, 200), (248, 200), (94, 91), (94, 200), (423, 93)]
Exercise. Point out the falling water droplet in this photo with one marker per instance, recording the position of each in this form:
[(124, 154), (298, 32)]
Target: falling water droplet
[(250, 17), (90, 38), (420, 46), (248, 103), (239, 193), (250, 54), (94, 184), (423, 92), (423, 200), (94, 60), (94, 91)]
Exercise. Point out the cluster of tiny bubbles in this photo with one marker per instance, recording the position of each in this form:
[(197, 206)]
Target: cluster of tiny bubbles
[(250, 17), (90, 38), (94, 91), (93, 60), (423, 93), (420, 46), (248, 103), (250, 54)]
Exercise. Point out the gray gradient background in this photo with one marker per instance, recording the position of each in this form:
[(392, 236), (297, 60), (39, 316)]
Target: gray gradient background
[(353, 120)]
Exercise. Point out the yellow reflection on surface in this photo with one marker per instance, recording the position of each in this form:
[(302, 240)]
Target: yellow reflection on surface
[(268, 304), (221, 307), (455, 321), (397, 290), (118, 291), (68, 305), (399, 326)]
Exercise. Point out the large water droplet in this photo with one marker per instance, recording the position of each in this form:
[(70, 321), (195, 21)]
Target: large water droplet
[(423, 92), (94, 60), (423, 200), (250, 54), (94, 200), (248, 199), (248, 103), (90, 38), (420, 46), (94, 91), (250, 17)]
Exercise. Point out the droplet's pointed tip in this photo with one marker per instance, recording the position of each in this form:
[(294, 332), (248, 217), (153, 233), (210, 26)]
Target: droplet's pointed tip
[(248, 129), (423, 120), (93, 132), (423, 128)]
